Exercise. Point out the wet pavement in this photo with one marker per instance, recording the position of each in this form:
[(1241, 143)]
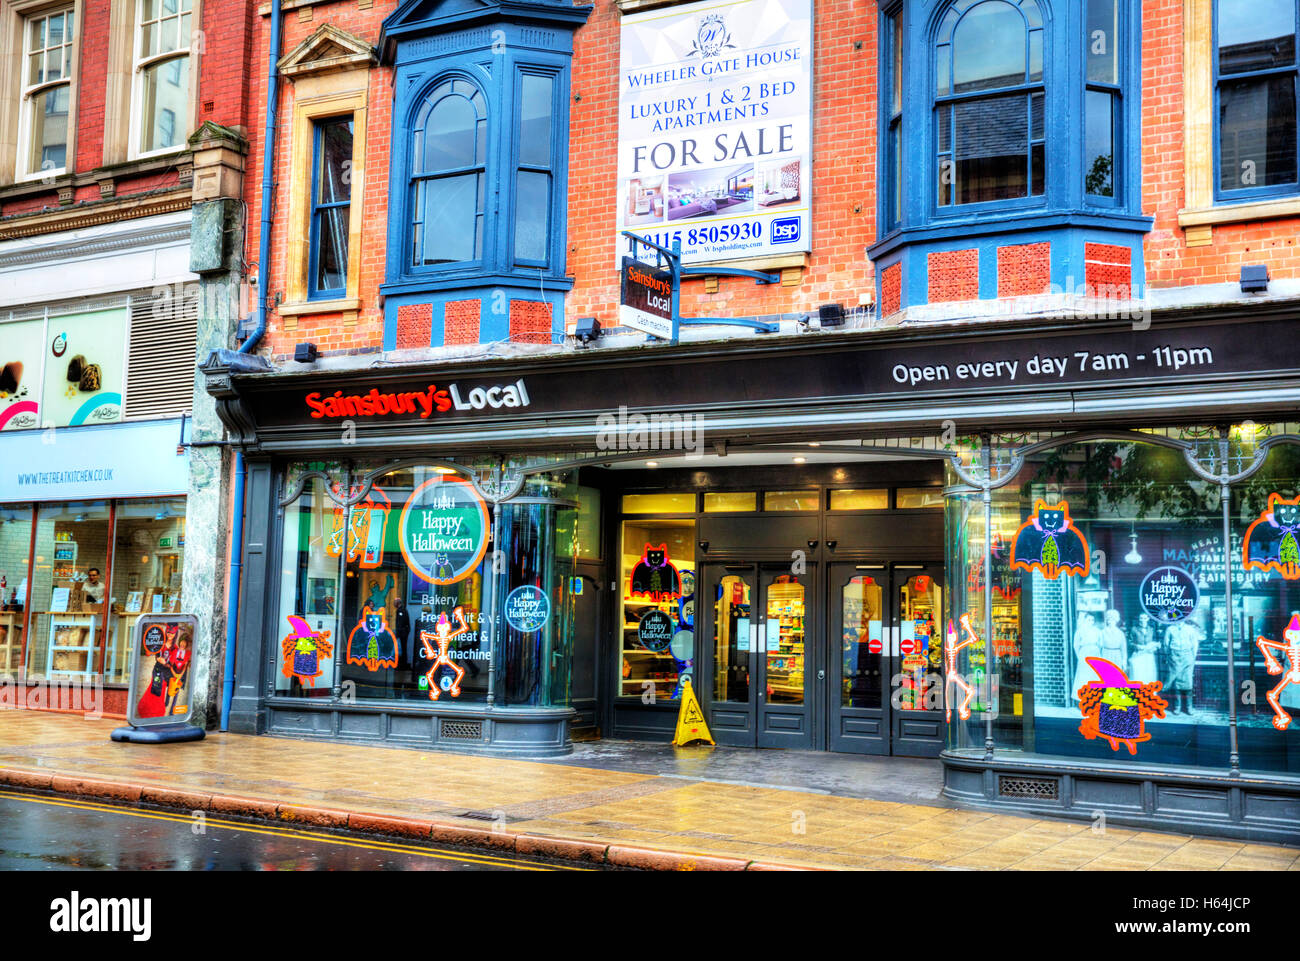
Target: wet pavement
[(785, 808), (58, 834), (903, 779)]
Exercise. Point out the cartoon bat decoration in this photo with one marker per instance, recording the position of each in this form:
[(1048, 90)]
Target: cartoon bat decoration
[(1050, 542), (654, 575), (1272, 540)]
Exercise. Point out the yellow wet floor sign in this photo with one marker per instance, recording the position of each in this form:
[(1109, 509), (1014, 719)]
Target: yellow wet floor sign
[(691, 726)]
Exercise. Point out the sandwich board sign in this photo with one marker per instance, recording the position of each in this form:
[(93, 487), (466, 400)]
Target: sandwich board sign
[(160, 696)]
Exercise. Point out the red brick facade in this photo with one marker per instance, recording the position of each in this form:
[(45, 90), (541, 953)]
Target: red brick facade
[(844, 179)]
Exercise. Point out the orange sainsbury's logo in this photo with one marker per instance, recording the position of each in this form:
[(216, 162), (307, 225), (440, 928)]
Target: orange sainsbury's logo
[(646, 280)]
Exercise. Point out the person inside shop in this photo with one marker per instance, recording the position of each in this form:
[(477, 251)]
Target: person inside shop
[(92, 589), (401, 630), (1114, 645), (1182, 644), (1087, 643)]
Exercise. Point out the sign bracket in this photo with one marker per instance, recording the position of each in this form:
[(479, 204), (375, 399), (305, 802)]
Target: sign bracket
[(673, 257)]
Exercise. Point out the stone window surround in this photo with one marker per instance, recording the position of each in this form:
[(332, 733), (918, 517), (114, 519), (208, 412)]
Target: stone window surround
[(1201, 213), (13, 17), (317, 95)]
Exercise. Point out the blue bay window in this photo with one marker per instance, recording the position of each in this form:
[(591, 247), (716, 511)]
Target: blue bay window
[(1255, 75), (1007, 123), (479, 160)]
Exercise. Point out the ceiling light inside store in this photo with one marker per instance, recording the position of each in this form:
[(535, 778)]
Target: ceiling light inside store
[(652, 463), (444, 470), (801, 460), (1133, 557)]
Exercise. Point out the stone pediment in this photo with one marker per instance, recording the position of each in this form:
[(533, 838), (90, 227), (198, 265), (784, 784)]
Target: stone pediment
[(328, 49)]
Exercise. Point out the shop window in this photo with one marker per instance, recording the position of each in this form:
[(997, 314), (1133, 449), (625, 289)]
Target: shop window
[(716, 502), (657, 583), (786, 609), (792, 500), (1264, 600), (1132, 579), (1255, 75), (988, 104), (913, 498), (732, 636), (69, 593), (46, 97), (579, 531), (15, 554), (395, 598), (161, 99), (148, 558), (671, 503), (859, 500)]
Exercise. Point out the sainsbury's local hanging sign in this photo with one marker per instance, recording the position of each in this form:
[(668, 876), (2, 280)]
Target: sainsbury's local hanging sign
[(715, 128), (420, 403)]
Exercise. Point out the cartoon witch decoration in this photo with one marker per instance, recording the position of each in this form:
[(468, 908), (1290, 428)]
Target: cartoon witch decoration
[(444, 674), (1291, 648), (303, 649), (371, 644), (1116, 708), (654, 576), (1050, 542), (1270, 542)]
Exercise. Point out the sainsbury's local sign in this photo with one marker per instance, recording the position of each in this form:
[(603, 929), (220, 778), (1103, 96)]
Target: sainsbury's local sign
[(421, 403)]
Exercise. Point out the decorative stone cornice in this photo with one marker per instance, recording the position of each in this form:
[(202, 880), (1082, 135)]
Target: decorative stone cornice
[(145, 235), (94, 214)]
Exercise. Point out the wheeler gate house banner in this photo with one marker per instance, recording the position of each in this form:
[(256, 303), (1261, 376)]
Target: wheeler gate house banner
[(715, 128)]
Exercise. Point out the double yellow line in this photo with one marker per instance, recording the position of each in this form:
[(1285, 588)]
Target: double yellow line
[(292, 834)]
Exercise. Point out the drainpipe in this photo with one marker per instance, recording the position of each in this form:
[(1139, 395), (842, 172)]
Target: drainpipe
[(263, 285)]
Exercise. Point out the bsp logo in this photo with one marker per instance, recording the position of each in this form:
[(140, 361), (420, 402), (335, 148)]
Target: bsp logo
[(785, 230)]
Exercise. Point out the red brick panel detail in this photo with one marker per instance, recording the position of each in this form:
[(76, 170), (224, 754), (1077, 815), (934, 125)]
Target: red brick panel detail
[(460, 322), (891, 289), (954, 275), (414, 325), (1107, 270), (530, 322), (1024, 270)]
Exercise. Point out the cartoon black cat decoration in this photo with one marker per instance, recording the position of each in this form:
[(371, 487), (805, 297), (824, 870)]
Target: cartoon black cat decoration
[(1271, 539), (1050, 542), (654, 575)]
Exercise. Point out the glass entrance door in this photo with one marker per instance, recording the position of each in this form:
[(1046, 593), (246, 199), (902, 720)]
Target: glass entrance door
[(885, 689), (759, 634)]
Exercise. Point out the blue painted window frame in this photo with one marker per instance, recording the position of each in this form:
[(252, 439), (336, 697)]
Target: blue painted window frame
[(1115, 91), (483, 168), (1043, 87), (519, 166), (1255, 192), (313, 245)]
